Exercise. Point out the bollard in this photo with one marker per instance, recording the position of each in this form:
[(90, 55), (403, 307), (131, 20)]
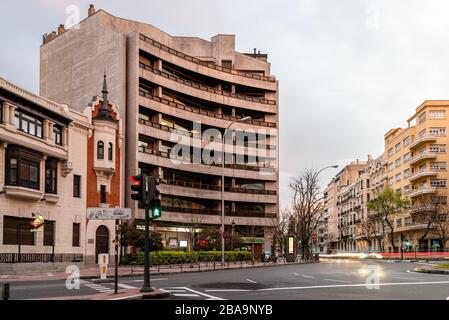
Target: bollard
[(5, 291)]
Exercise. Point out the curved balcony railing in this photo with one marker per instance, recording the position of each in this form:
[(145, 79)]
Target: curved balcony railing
[(204, 63), (164, 154), (203, 87), (422, 174), (423, 190), (195, 185), (421, 139), (203, 112), (191, 134), (422, 156), (236, 213)]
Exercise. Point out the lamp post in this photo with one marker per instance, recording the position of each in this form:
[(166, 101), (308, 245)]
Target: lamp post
[(222, 186)]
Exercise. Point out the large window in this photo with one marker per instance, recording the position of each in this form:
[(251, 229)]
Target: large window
[(110, 151), (28, 124), (77, 186), (49, 233), (22, 168), (17, 230), (58, 135), (76, 235), (100, 150), (51, 176), (103, 198)]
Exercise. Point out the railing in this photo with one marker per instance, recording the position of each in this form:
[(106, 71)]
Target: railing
[(204, 63), (423, 173), (203, 112), (421, 138), (415, 192), (423, 155), (216, 188), (214, 212), (39, 257), (189, 159), (203, 87), (193, 135)]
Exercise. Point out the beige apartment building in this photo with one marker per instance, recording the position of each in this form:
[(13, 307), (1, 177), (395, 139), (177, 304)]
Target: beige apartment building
[(44, 170), (172, 91), (417, 167)]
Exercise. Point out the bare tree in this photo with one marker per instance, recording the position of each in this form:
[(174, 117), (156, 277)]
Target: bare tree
[(307, 208), (440, 224), (194, 222), (280, 226)]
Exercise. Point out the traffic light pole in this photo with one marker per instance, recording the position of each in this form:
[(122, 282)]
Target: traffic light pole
[(146, 274)]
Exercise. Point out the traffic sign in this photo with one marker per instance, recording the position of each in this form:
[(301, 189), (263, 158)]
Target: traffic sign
[(108, 213)]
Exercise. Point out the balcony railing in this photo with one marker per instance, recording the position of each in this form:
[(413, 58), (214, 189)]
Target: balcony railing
[(203, 186), (204, 63), (215, 212), (420, 191), (422, 174), (191, 134), (422, 156), (189, 159), (421, 139), (203, 112), (205, 88)]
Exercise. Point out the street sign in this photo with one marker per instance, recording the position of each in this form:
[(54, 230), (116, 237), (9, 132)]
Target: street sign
[(108, 213)]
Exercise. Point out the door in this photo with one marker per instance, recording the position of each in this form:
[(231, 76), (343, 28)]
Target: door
[(101, 241)]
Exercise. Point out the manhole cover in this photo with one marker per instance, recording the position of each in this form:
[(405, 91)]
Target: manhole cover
[(233, 285)]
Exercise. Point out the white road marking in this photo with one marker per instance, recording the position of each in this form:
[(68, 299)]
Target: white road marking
[(227, 290), (185, 295), (160, 279), (335, 280), (123, 298), (125, 286), (175, 290), (306, 276), (252, 281), (197, 292), (295, 274)]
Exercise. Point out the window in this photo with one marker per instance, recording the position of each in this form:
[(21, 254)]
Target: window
[(390, 166), (407, 173), (398, 177), (397, 147), (437, 114), (407, 221), (17, 230), (406, 141), (28, 124), (100, 150), (58, 135), (22, 168), (390, 152), (422, 133), (421, 118), (407, 157), (76, 186), (49, 233), (51, 171), (103, 194), (438, 148), (437, 131), (110, 151), (398, 162), (438, 166), (76, 235), (438, 183)]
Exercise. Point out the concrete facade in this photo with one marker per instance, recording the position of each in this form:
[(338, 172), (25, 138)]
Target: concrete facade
[(161, 84)]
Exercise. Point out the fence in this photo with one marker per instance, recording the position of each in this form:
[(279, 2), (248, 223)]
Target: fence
[(39, 257)]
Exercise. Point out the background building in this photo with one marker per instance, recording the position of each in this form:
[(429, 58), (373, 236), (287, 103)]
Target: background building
[(163, 84)]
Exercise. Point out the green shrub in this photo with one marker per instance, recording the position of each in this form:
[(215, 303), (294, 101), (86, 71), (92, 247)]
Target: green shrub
[(180, 257)]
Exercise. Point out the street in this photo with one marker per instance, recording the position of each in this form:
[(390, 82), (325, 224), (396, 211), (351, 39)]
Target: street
[(341, 280)]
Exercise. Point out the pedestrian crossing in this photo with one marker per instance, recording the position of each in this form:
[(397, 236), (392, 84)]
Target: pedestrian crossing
[(98, 287)]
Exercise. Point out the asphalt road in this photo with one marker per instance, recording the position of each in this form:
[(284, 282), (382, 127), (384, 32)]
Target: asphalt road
[(335, 280)]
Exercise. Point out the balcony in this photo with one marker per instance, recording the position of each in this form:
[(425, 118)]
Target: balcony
[(423, 174), (421, 157), (422, 139), (421, 209), (422, 191), (23, 192)]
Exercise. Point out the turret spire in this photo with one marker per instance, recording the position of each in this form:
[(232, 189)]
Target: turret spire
[(104, 113)]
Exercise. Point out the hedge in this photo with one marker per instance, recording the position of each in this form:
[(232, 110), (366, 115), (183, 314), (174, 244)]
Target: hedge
[(180, 257)]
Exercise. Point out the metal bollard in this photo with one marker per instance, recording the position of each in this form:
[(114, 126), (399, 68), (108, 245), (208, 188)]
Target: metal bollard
[(5, 291)]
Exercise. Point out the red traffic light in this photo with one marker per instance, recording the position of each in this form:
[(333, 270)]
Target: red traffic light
[(136, 180)]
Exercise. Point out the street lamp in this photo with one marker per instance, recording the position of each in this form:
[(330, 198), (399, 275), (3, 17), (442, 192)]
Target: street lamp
[(244, 119), (335, 166)]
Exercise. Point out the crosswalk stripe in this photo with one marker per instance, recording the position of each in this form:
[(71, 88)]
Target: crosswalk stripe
[(125, 286), (185, 295)]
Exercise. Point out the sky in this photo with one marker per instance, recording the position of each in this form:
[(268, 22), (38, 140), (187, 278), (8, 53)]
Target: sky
[(349, 70)]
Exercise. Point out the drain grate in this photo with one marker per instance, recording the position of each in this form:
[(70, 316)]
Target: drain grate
[(233, 285)]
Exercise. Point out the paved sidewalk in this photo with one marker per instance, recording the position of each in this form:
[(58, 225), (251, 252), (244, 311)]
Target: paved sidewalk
[(93, 272)]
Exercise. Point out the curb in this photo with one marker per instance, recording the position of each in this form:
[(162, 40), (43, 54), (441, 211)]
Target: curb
[(431, 271)]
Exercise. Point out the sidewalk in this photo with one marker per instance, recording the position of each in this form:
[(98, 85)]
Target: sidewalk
[(93, 272)]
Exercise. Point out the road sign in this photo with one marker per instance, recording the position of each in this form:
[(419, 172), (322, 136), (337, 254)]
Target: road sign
[(109, 213)]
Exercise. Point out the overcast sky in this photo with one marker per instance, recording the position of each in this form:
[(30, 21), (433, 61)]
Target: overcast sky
[(349, 70)]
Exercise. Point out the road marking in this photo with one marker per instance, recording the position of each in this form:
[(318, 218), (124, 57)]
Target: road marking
[(252, 281), (306, 276), (426, 264), (198, 292), (125, 286), (295, 274), (160, 279), (175, 290), (227, 290), (185, 295), (129, 297), (335, 280)]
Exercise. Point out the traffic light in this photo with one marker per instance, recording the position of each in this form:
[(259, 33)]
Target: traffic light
[(155, 193), (137, 187)]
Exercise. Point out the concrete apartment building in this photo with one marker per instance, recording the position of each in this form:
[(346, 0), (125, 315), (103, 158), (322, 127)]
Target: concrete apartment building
[(417, 167), (45, 164), (164, 86)]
